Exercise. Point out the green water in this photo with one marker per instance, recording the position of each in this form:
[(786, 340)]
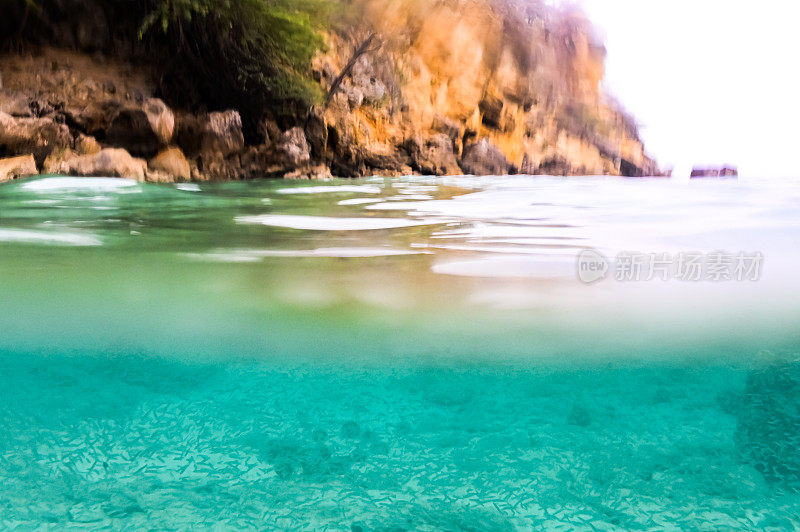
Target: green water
[(408, 354)]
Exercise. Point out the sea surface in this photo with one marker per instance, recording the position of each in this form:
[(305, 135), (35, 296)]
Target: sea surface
[(399, 354)]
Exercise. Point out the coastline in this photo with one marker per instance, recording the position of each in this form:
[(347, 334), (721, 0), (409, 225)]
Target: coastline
[(397, 101)]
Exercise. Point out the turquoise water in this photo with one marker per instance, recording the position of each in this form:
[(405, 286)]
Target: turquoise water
[(406, 354)]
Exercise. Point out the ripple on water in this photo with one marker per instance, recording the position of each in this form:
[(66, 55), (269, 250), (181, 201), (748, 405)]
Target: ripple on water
[(254, 255), (325, 223)]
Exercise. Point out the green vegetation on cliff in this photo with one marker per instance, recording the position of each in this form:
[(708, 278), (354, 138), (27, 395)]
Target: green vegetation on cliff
[(251, 54)]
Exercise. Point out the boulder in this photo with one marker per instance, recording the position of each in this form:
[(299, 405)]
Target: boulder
[(222, 133), (108, 162), (435, 156), (13, 167), (172, 162), (293, 148), (39, 136), (484, 158), (142, 129)]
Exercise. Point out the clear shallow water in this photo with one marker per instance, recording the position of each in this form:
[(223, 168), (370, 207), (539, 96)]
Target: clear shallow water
[(412, 354)]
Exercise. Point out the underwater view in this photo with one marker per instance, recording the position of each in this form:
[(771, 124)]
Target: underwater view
[(412, 353)]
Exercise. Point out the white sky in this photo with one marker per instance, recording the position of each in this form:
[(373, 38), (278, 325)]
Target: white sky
[(709, 81)]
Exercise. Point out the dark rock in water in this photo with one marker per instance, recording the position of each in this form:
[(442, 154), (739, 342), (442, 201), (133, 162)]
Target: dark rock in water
[(768, 428), (579, 417), (724, 171), (484, 158)]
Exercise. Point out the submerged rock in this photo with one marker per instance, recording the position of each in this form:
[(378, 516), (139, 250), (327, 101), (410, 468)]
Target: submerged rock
[(13, 167), (768, 427), (579, 416), (484, 158)]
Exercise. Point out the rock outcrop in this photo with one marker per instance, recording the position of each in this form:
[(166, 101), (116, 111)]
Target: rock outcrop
[(721, 171), (142, 129), (515, 87), (222, 133), (40, 136), (172, 162), (483, 158), (109, 162), (20, 166)]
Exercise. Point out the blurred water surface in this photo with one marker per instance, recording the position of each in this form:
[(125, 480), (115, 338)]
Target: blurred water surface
[(395, 354)]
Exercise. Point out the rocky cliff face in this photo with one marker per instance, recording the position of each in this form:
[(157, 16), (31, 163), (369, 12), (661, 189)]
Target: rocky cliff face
[(416, 86), (455, 86)]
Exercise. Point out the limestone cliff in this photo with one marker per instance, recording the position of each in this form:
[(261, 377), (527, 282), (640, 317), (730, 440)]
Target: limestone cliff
[(524, 78), (414, 86)]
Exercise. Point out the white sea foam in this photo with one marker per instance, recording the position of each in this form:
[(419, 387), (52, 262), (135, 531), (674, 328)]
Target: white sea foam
[(323, 189), (59, 184), (324, 223), (188, 187), (29, 236)]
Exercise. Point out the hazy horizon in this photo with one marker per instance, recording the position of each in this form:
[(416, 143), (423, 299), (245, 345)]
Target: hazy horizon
[(709, 82)]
